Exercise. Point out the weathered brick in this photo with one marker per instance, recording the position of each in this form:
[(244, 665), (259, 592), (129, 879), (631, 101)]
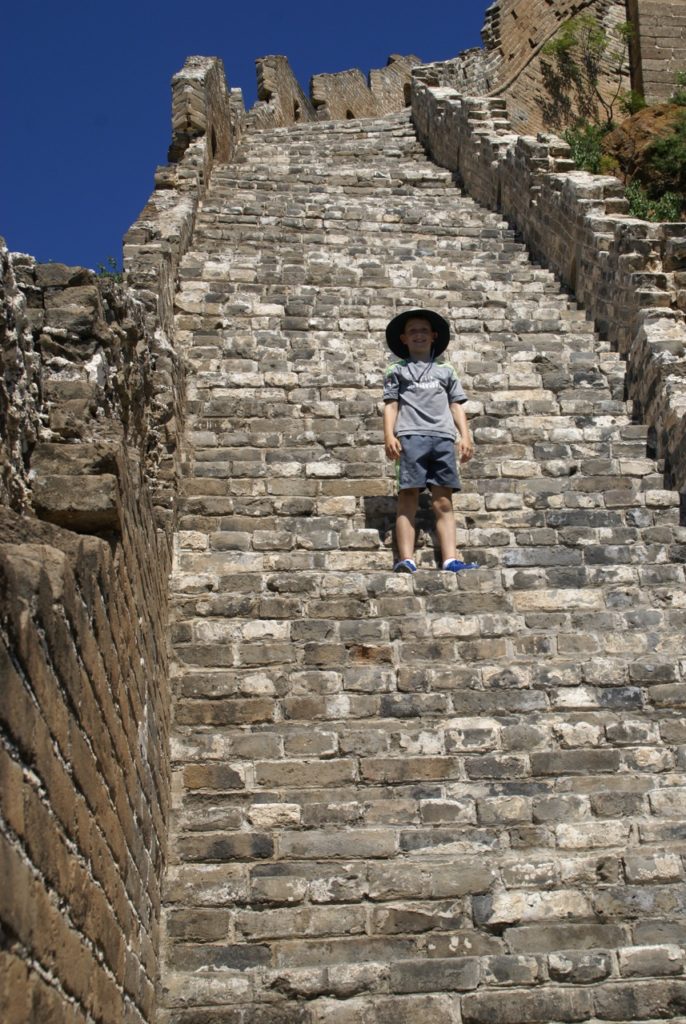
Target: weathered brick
[(512, 1007), (343, 844), (225, 846), (651, 961), (520, 906), (410, 768), (386, 1010), (429, 879), (457, 974), (574, 762), (543, 938), (579, 968), (641, 1000), (306, 773)]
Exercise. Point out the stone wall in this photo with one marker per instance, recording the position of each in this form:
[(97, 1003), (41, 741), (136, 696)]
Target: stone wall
[(19, 383), (280, 100), (347, 94), (91, 413), (84, 702), (512, 65), (201, 106), (91, 410), (333, 97), (630, 275), (660, 46)]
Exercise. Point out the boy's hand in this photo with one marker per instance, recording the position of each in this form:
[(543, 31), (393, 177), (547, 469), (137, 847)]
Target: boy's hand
[(466, 449), (393, 447)]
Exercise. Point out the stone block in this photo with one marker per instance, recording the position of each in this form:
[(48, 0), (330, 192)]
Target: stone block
[(84, 503), (386, 1010), (457, 974), (406, 769), (417, 917), (579, 968), (338, 844), (428, 879), (521, 906), (538, 1007), (512, 970), (574, 762), (641, 869), (627, 1001), (305, 774), (225, 846), (198, 925), (651, 961), (299, 923)]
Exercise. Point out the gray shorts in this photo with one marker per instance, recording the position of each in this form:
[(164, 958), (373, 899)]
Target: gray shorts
[(427, 461)]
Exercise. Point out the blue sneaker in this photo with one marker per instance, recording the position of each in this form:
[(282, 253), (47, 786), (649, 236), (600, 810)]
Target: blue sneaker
[(406, 565), (455, 565)]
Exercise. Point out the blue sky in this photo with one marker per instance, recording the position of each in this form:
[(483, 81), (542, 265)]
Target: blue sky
[(85, 94)]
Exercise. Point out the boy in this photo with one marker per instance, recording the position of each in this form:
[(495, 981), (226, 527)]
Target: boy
[(422, 416)]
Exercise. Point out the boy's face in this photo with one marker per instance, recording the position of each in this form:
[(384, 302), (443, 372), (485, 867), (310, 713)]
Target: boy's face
[(419, 337)]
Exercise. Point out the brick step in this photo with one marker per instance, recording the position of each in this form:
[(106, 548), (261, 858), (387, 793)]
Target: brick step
[(303, 229), (325, 516), (334, 174), (359, 618), (414, 228), (428, 797)]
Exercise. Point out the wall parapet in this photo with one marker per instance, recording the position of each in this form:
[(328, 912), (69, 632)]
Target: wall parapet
[(628, 274), (91, 408), (280, 100), (350, 94), (207, 122), (84, 704)]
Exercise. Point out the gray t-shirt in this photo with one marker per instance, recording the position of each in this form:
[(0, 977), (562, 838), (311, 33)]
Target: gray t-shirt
[(424, 392)]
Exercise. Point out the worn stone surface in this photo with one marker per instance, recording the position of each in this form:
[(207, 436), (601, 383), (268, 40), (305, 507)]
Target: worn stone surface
[(436, 788)]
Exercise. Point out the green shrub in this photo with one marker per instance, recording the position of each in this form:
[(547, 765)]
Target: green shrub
[(580, 58), (667, 207), (666, 159), (679, 94), (585, 141), (631, 102), (110, 270)]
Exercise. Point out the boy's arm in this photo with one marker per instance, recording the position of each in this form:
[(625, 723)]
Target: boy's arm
[(391, 442), (466, 443)]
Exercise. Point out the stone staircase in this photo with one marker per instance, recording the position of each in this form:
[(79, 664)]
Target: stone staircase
[(418, 799)]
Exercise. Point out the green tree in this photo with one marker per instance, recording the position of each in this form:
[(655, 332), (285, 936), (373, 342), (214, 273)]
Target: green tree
[(581, 59)]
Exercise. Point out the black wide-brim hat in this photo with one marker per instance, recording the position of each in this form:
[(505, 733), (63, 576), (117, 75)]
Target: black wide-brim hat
[(397, 326)]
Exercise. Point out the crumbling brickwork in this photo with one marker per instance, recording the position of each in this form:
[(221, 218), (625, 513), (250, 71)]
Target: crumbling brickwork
[(84, 699), (280, 100)]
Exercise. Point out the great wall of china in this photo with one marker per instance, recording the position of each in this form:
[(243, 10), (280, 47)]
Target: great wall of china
[(248, 775)]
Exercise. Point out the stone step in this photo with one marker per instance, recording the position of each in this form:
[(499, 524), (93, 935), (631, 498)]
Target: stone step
[(413, 798)]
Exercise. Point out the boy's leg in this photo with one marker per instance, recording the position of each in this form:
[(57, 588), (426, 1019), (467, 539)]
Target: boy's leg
[(404, 523), (442, 503)]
